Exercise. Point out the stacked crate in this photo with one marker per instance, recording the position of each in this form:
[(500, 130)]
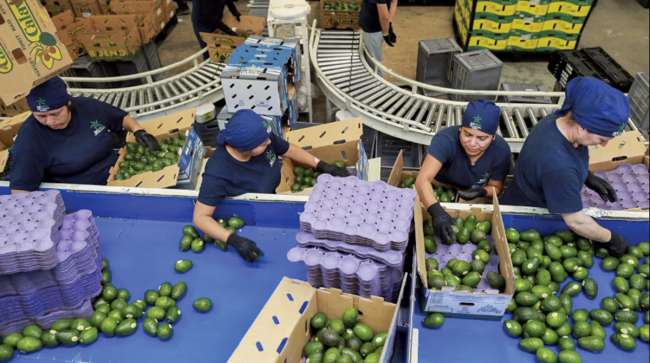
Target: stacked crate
[(262, 75), (520, 25)]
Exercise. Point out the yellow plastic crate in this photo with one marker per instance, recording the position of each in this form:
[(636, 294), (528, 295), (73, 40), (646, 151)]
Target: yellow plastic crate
[(477, 41), (522, 41), (466, 14), (573, 9), (462, 30), (564, 24), (527, 23), (496, 8), (492, 23), (533, 7), (556, 43)]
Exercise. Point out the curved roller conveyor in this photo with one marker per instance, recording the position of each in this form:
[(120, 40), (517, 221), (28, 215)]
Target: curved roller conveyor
[(351, 82), (183, 84)]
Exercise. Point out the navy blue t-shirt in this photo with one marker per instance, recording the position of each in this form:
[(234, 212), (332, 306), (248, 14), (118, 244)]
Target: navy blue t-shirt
[(457, 169), (550, 171), (225, 176), (82, 153), (369, 15)]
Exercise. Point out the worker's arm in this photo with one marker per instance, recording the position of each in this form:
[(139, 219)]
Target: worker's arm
[(233, 9), (493, 187), (300, 156), (384, 17), (430, 168), (393, 9), (205, 222), (586, 227), (131, 124)]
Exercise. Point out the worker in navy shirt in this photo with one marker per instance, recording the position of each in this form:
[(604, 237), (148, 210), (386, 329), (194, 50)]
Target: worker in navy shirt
[(553, 164), (247, 160), (68, 140), (470, 157), (207, 17)]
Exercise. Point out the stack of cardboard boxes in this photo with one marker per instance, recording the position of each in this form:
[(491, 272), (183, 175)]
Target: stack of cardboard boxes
[(114, 29), (220, 45)]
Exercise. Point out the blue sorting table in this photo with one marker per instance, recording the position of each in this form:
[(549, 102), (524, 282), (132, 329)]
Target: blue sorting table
[(464, 340), (140, 235)]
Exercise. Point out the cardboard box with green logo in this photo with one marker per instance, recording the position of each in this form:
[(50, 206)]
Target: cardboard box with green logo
[(30, 50)]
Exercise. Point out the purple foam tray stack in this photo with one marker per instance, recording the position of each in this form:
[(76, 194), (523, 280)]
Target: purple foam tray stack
[(349, 273), (83, 310), (76, 278), (358, 212), (29, 224), (444, 253), (630, 181)]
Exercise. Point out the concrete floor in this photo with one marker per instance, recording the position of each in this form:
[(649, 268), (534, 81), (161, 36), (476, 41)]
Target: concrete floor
[(619, 26)]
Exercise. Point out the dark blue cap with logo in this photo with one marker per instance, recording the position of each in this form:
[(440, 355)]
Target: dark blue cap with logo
[(482, 115), (245, 131), (50, 95)]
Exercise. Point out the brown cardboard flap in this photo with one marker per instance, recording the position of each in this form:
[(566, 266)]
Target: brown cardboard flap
[(628, 148), (9, 128), (395, 177), (218, 40), (327, 134), (249, 25)]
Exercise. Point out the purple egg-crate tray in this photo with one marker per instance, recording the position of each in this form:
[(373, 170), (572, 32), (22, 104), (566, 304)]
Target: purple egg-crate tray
[(630, 181), (29, 225), (78, 254), (390, 258), (354, 211), (444, 253), (347, 272), (20, 307), (83, 311)]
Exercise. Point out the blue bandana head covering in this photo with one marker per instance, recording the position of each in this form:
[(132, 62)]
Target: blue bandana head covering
[(245, 131), (596, 106), (50, 95), (482, 115)]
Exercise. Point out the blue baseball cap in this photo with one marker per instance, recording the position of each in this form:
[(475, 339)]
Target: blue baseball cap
[(596, 106), (50, 95), (245, 131), (482, 115)]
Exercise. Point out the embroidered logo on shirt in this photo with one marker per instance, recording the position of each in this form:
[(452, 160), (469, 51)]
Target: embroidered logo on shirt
[(270, 155), (476, 122), (97, 127), (619, 131)]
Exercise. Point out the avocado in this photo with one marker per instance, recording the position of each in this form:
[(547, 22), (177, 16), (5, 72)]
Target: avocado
[(590, 288), (202, 305), (363, 332), (350, 317), (531, 344), (591, 344), (88, 336), (329, 337), (434, 320), (33, 331), (29, 345), (496, 281), (512, 328), (164, 331), (183, 265), (126, 327), (318, 321)]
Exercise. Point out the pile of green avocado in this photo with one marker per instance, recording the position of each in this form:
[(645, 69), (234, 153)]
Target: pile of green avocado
[(345, 340), (341, 5), (444, 195), (305, 177), (192, 240), (542, 310), (139, 159)]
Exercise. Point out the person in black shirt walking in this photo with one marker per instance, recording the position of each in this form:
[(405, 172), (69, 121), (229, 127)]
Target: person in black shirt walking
[(207, 17)]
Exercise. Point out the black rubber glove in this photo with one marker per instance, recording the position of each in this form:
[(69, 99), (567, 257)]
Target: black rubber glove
[(442, 223), (476, 191), (391, 34), (238, 17), (228, 31), (601, 186), (331, 169), (145, 138), (616, 245), (247, 249), (388, 41)]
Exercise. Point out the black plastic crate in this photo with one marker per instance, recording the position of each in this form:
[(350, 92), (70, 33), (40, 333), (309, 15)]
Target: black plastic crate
[(617, 76)]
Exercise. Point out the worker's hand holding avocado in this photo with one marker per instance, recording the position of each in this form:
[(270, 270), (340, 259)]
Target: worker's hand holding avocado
[(331, 169), (616, 246), (146, 139), (602, 187), (442, 223), (247, 249), (476, 191)]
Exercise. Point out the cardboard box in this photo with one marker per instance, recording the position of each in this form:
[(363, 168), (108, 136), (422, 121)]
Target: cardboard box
[(339, 14), (14, 109), (68, 28), (294, 303), (161, 128), (111, 36), (248, 25), (329, 142), (30, 52), (628, 147), (55, 7), (86, 8), (8, 131), (397, 173), (220, 46), (490, 303), (152, 15), (190, 161)]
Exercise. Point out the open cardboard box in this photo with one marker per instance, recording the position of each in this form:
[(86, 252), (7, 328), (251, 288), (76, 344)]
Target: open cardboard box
[(30, 50), (329, 142), (282, 328), (397, 173), (8, 131), (628, 147), (489, 303), (161, 128)]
